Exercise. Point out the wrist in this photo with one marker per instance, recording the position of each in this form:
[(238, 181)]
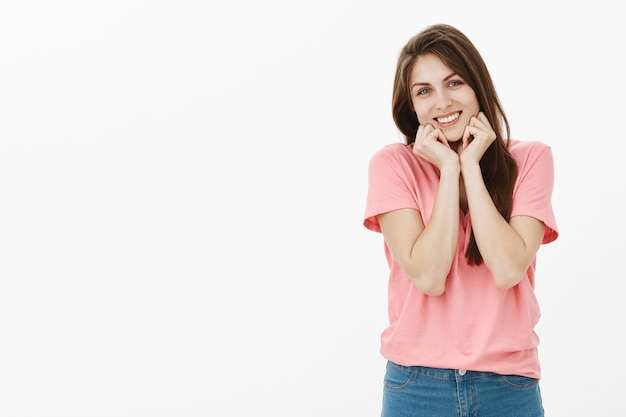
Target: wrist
[(452, 167), (470, 168)]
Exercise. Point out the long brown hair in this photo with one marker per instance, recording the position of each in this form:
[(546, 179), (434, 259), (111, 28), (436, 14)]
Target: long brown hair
[(456, 51)]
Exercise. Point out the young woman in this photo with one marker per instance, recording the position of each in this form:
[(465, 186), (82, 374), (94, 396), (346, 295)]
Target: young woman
[(463, 210)]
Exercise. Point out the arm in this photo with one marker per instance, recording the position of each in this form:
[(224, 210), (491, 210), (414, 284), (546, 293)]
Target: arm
[(425, 253), (507, 248)]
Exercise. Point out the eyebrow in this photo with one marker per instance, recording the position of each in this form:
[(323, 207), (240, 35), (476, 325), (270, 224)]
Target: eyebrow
[(446, 78)]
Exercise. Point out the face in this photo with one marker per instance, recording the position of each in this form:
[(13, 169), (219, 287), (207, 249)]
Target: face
[(440, 97)]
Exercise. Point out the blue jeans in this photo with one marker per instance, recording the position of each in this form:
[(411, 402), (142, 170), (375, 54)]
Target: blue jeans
[(417, 391)]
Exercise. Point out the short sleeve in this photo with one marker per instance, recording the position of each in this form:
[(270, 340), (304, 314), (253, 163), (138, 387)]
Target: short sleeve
[(533, 192), (389, 186)]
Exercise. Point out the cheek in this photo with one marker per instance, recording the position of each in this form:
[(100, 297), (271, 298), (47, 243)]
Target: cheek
[(475, 107), (472, 102), (420, 112)]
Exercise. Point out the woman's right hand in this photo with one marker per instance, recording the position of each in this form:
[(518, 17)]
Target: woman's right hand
[(432, 145)]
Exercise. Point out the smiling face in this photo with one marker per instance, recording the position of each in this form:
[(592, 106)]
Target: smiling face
[(440, 97)]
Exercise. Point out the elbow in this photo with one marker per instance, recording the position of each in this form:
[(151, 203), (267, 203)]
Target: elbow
[(435, 291), (507, 279), (429, 278), (429, 286)]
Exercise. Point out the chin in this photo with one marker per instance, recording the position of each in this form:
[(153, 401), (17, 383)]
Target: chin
[(454, 137)]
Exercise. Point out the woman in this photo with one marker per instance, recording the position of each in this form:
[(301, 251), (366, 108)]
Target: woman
[(463, 210)]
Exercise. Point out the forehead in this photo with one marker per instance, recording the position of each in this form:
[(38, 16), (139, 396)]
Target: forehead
[(428, 68)]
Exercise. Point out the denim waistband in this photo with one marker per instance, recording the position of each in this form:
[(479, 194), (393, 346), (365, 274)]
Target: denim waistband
[(446, 373)]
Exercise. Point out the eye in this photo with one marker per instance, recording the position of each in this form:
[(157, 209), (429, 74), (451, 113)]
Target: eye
[(455, 83), (422, 91)]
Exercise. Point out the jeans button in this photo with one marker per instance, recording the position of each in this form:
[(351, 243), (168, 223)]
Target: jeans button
[(462, 372)]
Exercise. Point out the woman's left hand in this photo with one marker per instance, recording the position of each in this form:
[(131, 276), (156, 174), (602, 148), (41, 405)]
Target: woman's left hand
[(481, 133)]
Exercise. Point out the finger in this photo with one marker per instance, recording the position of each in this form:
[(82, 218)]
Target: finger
[(442, 137), (420, 134), (483, 124), (431, 134), (475, 132), (481, 116), (476, 122), (466, 136), (422, 131), (420, 128)]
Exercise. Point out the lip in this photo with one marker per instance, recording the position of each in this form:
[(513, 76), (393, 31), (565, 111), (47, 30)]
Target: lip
[(448, 116)]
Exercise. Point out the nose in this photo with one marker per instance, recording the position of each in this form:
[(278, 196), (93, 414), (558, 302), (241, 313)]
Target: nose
[(442, 99)]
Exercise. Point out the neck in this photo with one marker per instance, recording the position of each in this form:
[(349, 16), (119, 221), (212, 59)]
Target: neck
[(456, 145)]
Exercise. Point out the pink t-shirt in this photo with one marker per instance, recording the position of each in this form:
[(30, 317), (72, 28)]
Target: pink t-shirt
[(473, 325)]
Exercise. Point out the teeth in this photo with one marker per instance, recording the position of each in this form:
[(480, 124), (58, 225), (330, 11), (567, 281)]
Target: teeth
[(449, 118)]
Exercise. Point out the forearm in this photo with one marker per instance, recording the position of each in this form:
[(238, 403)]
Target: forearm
[(503, 250), (434, 250)]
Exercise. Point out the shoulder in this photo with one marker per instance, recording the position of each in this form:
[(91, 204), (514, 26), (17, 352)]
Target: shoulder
[(534, 160), (522, 149), (398, 160), (390, 156), (528, 152), (399, 156), (393, 151)]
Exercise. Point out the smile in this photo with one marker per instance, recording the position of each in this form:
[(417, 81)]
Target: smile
[(449, 119)]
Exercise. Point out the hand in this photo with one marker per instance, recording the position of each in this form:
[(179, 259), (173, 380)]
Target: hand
[(432, 145), (477, 137)]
